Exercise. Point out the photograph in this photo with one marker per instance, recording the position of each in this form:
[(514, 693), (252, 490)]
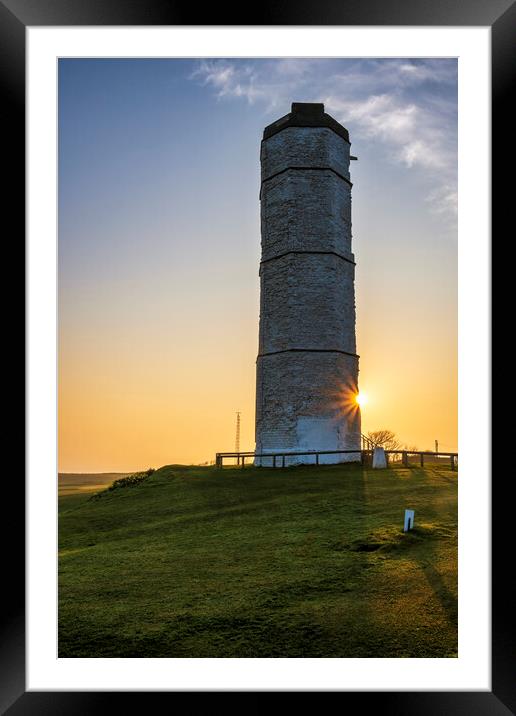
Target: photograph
[(258, 323), (257, 382)]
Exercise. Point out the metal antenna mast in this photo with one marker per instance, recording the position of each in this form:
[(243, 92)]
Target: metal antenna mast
[(237, 437)]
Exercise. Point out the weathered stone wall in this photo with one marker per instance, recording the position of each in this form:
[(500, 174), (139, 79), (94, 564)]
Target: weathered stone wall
[(307, 367), (307, 301), (307, 210), (305, 401), (305, 147)]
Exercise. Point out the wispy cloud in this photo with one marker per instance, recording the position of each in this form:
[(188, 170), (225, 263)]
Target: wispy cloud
[(230, 80), (411, 132), (406, 106)]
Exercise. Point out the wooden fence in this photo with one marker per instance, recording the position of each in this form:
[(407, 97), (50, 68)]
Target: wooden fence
[(280, 459)]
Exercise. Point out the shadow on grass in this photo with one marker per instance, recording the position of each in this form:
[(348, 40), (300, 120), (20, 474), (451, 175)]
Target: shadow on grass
[(286, 621), (444, 595)]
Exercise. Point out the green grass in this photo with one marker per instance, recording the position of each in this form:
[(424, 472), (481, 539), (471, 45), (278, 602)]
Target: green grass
[(301, 562)]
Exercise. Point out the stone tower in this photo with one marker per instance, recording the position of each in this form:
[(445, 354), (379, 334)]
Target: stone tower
[(307, 366)]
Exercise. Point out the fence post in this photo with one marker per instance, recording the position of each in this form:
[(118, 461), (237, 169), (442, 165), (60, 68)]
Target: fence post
[(422, 457), (316, 458), (243, 460), (452, 461), (274, 461), (404, 459), (283, 461)]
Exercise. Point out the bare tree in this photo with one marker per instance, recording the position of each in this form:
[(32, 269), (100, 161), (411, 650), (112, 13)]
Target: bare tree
[(384, 438)]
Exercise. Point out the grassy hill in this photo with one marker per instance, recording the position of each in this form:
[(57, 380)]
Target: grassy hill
[(302, 562)]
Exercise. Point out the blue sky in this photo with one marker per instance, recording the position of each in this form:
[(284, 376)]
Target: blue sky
[(159, 243)]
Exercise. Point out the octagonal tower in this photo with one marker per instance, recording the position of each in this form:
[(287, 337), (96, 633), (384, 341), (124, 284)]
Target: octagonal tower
[(307, 365)]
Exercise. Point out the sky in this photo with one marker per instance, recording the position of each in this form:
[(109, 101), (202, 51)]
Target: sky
[(159, 248)]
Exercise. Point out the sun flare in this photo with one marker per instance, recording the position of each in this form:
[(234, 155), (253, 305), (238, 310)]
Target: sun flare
[(361, 399)]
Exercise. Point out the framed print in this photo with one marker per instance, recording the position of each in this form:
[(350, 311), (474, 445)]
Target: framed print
[(70, 74)]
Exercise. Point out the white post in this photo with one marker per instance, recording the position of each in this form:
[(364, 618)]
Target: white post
[(379, 458), (409, 520)]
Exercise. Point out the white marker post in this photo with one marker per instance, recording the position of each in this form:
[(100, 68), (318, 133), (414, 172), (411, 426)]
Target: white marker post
[(379, 458), (409, 520)]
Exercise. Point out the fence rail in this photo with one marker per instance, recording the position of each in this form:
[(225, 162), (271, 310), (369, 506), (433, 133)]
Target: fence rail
[(279, 459), (367, 443)]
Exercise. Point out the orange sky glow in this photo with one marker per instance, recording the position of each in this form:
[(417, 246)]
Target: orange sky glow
[(159, 250)]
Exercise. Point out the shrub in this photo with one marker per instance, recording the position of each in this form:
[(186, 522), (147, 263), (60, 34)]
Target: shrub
[(129, 481)]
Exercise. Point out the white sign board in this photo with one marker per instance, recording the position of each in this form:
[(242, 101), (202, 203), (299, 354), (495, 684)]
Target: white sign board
[(409, 520)]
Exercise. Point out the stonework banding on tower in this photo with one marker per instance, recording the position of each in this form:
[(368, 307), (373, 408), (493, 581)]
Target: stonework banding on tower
[(307, 366)]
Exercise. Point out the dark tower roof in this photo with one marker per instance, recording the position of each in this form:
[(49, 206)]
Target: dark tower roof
[(306, 114)]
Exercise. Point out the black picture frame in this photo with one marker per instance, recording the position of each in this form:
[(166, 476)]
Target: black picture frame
[(15, 17)]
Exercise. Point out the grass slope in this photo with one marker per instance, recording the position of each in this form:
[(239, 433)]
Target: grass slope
[(302, 562)]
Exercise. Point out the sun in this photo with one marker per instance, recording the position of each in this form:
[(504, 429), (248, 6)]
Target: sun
[(361, 399)]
